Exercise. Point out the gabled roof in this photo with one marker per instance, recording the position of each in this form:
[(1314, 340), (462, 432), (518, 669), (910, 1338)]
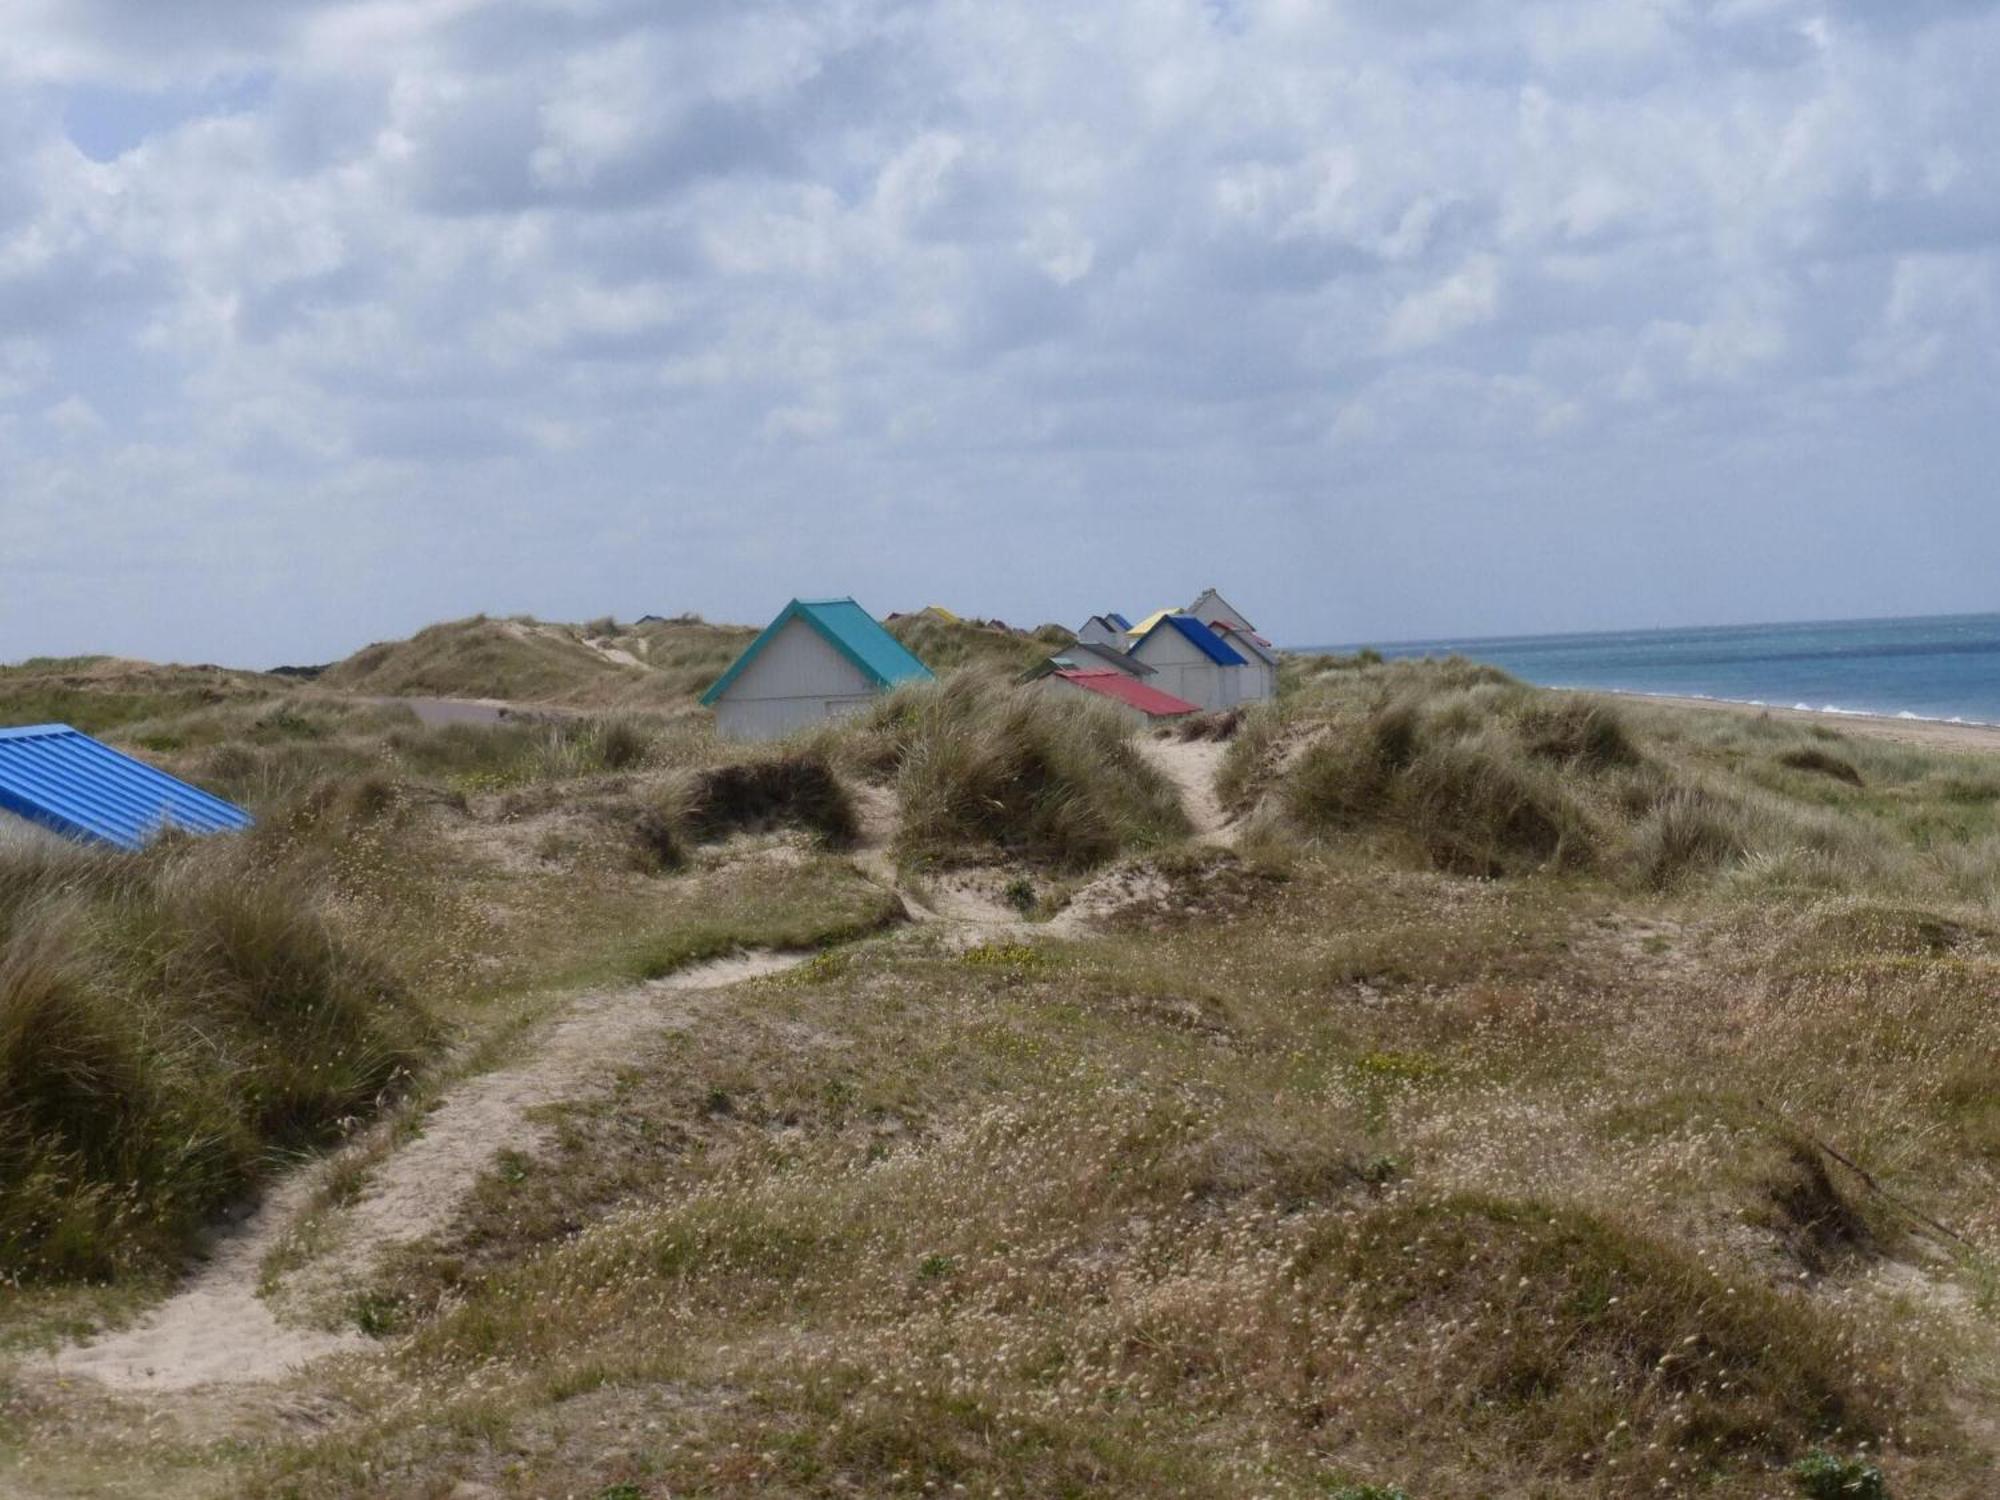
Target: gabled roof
[(1216, 594), (1088, 656), (1120, 661), (1117, 619), (1146, 625), (1130, 691), (1211, 645), (1245, 641), (846, 627), (83, 789)]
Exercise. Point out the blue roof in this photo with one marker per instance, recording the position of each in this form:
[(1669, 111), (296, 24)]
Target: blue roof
[(76, 786), (1117, 619), (850, 630), (1212, 645)]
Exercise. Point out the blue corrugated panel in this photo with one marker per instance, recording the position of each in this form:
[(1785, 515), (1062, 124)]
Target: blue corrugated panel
[(850, 630), (66, 781), (1212, 645)]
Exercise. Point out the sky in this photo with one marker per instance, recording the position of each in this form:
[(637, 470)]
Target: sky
[(321, 320)]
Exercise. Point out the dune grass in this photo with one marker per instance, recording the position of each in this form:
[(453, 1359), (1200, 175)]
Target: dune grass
[(1455, 767), (170, 1023), (985, 766), (1548, 1098)]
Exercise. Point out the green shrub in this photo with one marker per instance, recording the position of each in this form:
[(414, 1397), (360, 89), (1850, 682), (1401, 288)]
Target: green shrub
[(1823, 1476)]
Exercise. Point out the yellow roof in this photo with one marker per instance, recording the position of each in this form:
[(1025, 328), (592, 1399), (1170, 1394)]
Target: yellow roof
[(1149, 622), (942, 613)]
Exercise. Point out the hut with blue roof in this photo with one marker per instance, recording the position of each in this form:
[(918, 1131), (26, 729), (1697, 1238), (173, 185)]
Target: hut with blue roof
[(819, 659), (61, 781)]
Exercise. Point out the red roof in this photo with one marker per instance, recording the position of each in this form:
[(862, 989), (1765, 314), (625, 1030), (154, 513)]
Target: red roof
[(1130, 691)]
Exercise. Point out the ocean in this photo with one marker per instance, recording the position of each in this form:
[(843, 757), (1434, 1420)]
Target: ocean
[(1944, 667)]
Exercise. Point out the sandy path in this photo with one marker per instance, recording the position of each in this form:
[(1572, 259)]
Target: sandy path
[(1191, 766), (1930, 733), (217, 1330)]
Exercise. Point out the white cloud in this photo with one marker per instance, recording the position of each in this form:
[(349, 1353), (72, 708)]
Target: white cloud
[(1465, 299), (723, 274)]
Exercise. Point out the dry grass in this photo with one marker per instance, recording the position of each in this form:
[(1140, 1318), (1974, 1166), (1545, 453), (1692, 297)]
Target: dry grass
[(1334, 1163), (984, 765), (168, 1022), (660, 664)]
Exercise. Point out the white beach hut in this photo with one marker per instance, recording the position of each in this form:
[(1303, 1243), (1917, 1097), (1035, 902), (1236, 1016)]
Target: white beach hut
[(1192, 662), (818, 659)]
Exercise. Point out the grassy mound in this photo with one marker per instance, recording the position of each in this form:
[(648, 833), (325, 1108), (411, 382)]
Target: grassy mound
[(100, 693), (984, 764), (1475, 783), (167, 1021), (1554, 1333), (601, 665), (1455, 767)]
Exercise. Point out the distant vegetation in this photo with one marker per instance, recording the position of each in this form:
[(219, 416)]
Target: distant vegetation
[(659, 664), (946, 645)]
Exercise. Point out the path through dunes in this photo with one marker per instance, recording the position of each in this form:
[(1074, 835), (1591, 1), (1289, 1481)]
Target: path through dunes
[(220, 1329)]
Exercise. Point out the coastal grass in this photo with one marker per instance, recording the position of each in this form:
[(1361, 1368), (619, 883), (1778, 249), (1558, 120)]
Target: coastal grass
[(984, 766), (1453, 766), (1546, 1098), (1443, 1195), (170, 1024)]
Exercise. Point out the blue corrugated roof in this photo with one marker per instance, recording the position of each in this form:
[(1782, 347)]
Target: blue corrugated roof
[(1117, 619), (1214, 646), (850, 630), (68, 782)]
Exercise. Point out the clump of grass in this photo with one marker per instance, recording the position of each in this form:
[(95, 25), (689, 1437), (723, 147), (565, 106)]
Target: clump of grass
[(798, 790), (1466, 803), (1579, 731), (167, 1021), (1220, 724), (1589, 1340), (1689, 831), (1818, 762), (983, 764)]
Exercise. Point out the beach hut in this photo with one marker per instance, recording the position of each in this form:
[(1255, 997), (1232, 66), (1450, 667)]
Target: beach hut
[(1211, 607), (1260, 674), (1192, 662), (1107, 629), (58, 780), (819, 659), (1087, 656), (1138, 702)]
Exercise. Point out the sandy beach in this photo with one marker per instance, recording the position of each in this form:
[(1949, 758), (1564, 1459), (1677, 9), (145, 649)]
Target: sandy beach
[(1931, 733)]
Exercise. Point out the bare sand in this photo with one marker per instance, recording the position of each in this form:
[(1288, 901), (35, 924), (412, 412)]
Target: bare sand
[(1932, 734)]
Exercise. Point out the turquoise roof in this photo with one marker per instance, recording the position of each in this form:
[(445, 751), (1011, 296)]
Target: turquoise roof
[(850, 630)]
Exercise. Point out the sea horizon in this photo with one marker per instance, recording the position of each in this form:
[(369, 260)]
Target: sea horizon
[(1941, 668)]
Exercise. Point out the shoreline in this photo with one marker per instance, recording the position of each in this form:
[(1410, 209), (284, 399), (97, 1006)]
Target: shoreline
[(1935, 734)]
